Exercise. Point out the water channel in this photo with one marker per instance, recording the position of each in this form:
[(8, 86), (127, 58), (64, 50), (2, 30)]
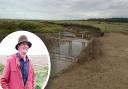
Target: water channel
[(65, 52)]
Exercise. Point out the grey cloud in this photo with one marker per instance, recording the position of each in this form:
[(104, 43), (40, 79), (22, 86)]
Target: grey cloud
[(62, 9)]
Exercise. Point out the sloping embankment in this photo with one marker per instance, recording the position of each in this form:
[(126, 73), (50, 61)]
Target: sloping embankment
[(108, 71), (92, 51)]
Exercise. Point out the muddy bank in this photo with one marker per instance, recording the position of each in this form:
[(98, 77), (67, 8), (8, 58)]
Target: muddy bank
[(83, 29), (91, 52), (79, 31), (106, 71), (65, 59)]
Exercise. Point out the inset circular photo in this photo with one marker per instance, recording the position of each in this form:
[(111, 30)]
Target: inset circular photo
[(24, 62)]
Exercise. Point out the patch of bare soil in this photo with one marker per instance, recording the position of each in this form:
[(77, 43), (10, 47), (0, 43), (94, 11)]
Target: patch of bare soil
[(109, 71)]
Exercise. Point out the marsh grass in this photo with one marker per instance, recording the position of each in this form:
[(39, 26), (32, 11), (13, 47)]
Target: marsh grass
[(104, 26), (41, 73), (1, 69), (8, 26)]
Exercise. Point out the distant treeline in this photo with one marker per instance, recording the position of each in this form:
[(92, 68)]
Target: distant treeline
[(109, 19)]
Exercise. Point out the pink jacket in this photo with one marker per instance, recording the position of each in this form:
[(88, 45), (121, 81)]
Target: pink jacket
[(12, 77)]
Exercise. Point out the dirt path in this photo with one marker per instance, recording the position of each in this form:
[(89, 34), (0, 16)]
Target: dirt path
[(110, 71)]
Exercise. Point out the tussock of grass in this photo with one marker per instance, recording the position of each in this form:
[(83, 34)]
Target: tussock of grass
[(41, 73), (1, 69)]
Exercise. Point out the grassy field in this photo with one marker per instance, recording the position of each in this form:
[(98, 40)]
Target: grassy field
[(9, 26), (104, 26), (32, 26), (41, 73)]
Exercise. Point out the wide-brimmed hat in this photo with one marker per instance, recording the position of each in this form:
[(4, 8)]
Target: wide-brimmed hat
[(23, 39)]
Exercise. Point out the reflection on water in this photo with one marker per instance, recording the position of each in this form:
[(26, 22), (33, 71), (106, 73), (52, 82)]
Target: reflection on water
[(65, 52)]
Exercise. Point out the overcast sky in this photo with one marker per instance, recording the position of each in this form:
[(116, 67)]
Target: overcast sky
[(62, 9)]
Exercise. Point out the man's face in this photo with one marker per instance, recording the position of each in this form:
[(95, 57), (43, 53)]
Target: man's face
[(23, 48)]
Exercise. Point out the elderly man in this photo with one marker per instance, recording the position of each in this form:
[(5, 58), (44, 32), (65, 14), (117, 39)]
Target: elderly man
[(19, 71)]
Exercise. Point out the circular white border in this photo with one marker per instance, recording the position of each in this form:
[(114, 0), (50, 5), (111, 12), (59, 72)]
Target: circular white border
[(49, 62)]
